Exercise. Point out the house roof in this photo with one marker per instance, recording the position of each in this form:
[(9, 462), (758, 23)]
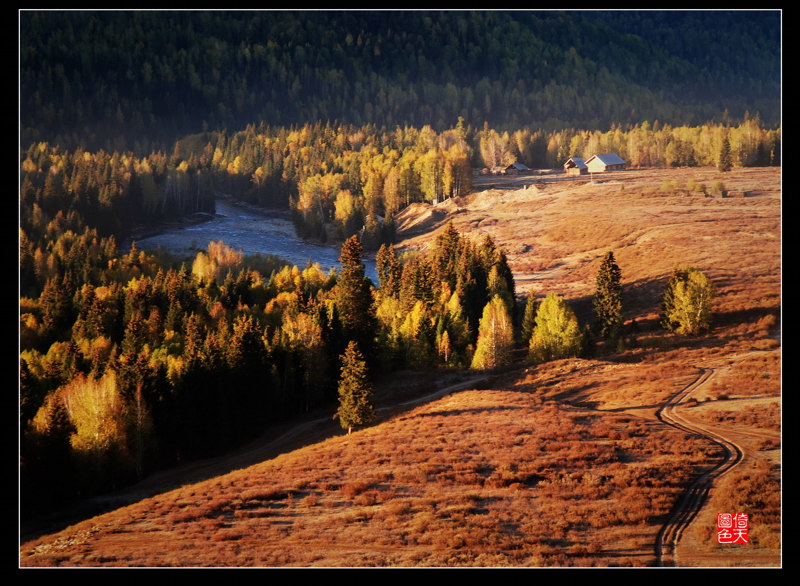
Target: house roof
[(576, 162), (607, 159), (519, 167)]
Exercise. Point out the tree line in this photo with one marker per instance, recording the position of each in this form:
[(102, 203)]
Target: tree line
[(340, 176), (137, 80), (336, 180), (76, 206)]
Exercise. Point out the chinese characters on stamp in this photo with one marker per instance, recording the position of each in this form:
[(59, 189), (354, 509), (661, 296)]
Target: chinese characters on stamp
[(732, 527)]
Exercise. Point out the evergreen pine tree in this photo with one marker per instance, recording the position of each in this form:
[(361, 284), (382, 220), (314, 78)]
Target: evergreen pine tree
[(354, 297), (389, 270), (416, 283), (56, 307), (446, 250), (607, 301), (471, 285), (725, 161), (355, 390), (499, 278), (528, 319)]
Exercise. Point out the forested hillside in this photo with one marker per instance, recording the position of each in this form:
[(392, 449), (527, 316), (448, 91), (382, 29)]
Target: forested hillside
[(140, 80)]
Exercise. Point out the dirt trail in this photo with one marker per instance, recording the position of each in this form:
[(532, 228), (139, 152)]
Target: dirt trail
[(695, 496), (697, 493)]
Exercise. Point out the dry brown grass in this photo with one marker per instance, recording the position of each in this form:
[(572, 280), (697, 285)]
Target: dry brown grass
[(753, 487), (560, 464), (491, 477), (556, 236)]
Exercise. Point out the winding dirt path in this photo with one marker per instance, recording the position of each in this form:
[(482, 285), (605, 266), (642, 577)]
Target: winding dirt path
[(695, 496)]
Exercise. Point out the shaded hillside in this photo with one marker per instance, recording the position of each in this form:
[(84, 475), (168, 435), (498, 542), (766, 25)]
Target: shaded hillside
[(476, 478), (119, 80), (559, 465)]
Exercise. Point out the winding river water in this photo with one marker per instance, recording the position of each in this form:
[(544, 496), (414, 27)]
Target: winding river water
[(251, 232)]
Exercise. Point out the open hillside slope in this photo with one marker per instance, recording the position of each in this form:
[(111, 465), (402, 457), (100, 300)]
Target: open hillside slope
[(556, 232), (566, 463)]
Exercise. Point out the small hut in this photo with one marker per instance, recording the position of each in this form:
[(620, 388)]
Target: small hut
[(517, 169), (575, 166)]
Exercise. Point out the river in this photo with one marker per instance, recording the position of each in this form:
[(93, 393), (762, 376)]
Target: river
[(253, 231)]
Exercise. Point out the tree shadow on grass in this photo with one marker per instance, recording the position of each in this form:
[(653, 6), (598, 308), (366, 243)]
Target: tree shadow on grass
[(448, 412)]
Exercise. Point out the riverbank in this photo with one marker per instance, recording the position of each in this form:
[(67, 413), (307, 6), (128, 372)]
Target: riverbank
[(247, 228)]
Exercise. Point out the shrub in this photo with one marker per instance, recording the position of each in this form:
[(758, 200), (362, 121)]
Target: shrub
[(355, 488), (668, 186)]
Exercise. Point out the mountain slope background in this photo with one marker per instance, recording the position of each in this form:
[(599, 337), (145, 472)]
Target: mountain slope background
[(139, 80)]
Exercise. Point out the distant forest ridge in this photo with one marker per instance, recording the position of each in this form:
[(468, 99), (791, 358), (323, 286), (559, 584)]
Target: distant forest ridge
[(139, 80)]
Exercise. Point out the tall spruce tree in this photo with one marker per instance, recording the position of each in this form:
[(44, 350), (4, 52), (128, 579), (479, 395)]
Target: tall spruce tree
[(528, 319), (389, 270), (725, 160), (355, 390), (607, 301), (446, 251), (354, 298)]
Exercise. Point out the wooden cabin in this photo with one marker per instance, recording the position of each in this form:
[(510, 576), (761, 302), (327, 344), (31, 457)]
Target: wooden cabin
[(604, 163), (575, 166), (517, 169)]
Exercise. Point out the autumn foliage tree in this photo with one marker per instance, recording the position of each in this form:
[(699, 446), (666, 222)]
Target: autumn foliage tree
[(556, 333), (687, 302), (495, 336), (101, 419)]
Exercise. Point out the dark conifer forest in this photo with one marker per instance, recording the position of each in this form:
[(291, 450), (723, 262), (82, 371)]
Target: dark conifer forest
[(131, 361), (138, 80)]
